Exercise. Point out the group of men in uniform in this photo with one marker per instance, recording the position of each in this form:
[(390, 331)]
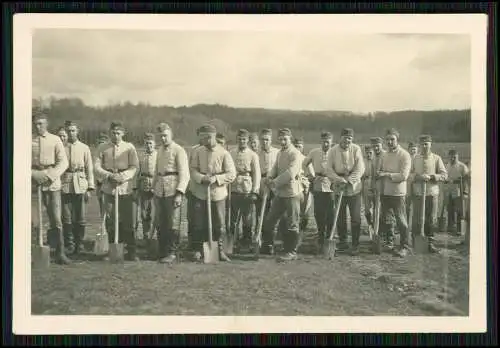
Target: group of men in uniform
[(165, 175)]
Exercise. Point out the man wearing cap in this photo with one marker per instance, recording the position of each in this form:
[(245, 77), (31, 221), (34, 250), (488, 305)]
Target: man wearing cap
[(393, 172), (102, 139), (244, 189), (427, 167), (253, 141), (212, 165), (367, 180), (48, 163), (284, 180), (77, 185), (147, 163), (170, 181), (189, 196), (345, 167), (117, 163), (457, 171), (324, 198)]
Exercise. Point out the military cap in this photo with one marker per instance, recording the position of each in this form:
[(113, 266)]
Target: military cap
[(349, 132), (117, 125), (266, 131), (452, 152), (162, 127), (368, 148), (411, 145), (70, 123), (326, 135), (392, 131), (284, 131), (39, 115), (208, 128), (376, 140), (254, 136), (149, 136), (243, 133), (103, 136), (425, 138), (61, 128), (298, 140)]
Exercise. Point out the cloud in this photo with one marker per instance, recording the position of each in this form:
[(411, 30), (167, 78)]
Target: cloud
[(254, 69)]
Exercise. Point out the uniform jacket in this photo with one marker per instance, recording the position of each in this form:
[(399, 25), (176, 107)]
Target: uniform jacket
[(347, 163), (248, 173), (430, 164), (79, 177), (171, 171), (286, 172), (48, 155)]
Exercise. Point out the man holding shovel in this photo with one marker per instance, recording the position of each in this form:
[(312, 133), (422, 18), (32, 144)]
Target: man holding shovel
[(427, 171), (77, 185), (394, 170), (457, 173), (117, 164), (211, 166), (345, 167), (170, 181), (48, 162), (413, 151)]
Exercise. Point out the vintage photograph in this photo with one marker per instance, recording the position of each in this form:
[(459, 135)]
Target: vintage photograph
[(248, 172)]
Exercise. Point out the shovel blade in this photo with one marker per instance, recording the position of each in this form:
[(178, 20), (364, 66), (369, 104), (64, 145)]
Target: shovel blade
[(101, 245), (329, 249), (376, 245), (229, 244), (210, 252), (421, 244), (41, 257), (463, 226), (116, 253)]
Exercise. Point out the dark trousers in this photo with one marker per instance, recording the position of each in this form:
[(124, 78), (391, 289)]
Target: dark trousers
[(168, 226), (100, 199), (200, 222), (394, 207), (454, 208), (409, 212), (324, 203), (73, 218), (431, 212), (354, 205), (52, 202), (126, 217), (289, 208), (190, 217), (147, 207), (244, 208)]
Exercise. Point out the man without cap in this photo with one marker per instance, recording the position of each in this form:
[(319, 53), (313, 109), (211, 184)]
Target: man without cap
[(48, 162), (427, 167), (212, 165), (145, 174), (284, 180), (367, 181), (77, 185), (457, 172), (189, 196), (393, 172), (170, 181), (345, 167), (102, 139), (244, 189), (117, 163), (324, 198)]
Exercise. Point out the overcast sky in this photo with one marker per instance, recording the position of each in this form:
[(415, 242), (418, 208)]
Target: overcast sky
[(254, 69)]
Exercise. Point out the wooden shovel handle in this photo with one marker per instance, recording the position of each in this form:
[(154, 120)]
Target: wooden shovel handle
[(422, 213), (336, 215), (261, 215), (209, 212), (116, 216), (40, 223)]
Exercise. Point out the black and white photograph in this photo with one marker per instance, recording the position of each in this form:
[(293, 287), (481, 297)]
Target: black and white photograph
[(236, 173)]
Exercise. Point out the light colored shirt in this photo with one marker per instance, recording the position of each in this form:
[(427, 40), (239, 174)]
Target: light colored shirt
[(248, 174), (286, 173), (455, 172), (267, 159), (122, 159), (191, 151), (346, 163), (79, 177), (409, 181), (367, 178), (430, 164), (315, 165), (147, 164), (171, 159), (47, 151), (397, 163), (302, 173), (213, 162)]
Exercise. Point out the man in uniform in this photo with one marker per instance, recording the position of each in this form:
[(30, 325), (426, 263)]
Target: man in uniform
[(367, 180), (212, 165), (189, 196), (345, 166), (254, 142), (457, 171), (427, 167), (117, 163), (48, 162), (77, 185), (245, 189), (171, 177), (413, 151), (324, 198), (305, 171), (62, 134), (284, 180), (394, 170), (146, 171), (102, 139)]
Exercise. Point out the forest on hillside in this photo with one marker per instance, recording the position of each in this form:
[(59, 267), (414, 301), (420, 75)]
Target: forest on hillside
[(443, 125)]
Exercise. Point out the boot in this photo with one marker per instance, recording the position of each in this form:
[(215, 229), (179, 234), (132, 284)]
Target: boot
[(79, 233), (292, 240), (60, 256), (222, 254), (69, 243)]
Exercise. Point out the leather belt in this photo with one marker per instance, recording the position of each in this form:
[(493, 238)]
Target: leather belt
[(76, 170), (212, 173), (147, 175), (168, 173), (116, 170), (40, 167)]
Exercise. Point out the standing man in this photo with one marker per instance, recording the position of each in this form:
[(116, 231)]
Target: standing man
[(457, 171), (102, 139), (212, 165), (189, 196), (284, 181), (254, 142), (367, 181), (77, 185), (245, 189), (394, 170), (413, 150), (117, 163), (62, 134), (427, 167), (305, 199), (170, 181), (145, 187), (48, 162), (324, 198), (345, 166)]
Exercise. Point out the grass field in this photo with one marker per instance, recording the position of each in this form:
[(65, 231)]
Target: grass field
[(366, 285)]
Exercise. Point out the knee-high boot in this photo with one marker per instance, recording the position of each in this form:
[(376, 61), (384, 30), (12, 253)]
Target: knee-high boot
[(61, 257)]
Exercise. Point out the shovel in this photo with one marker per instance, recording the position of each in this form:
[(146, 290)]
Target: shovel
[(229, 245), (210, 248), (116, 248), (101, 245), (257, 243), (421, 246), (330, 247), (441, 220), (463, 221), (376, 245), (41, 253)]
